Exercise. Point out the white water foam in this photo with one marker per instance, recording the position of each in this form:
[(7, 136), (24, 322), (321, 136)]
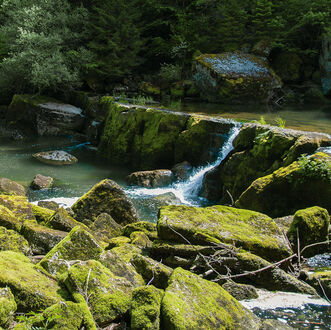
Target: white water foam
[(188, 191)]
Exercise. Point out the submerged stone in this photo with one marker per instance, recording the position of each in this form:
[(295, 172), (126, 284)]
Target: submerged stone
[(145, 308), (253, 231), (191, 302), (105, 197), (33, 290), (56, 157)]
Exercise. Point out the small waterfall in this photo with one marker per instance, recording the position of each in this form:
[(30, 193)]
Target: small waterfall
[(188, 191)]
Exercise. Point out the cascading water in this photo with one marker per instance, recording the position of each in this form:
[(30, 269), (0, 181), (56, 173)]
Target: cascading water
[(188, 191)]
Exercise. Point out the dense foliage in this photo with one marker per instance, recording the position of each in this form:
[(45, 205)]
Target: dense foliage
[(50, 45)]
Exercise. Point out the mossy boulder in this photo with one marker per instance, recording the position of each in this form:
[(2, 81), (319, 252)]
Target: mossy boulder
[(7, 307), (151, 179), (151, 138), (8, 219), (10, 240), (78, 245), (51, 205), (105, 197), (258, 151), (288, 66), (20, 208), (240, 291), (41, 238), (109, 295), (152, 271), (311, 226), (234, 77), (119, 264), (42, 214), (191, 302), (105, 228), (149, 228), (321, 279), (291, 188), (9, 187), (145, 308), (141, 240), (118, 241), (42, 115), (253, 231), (32, 289), (61, 220)]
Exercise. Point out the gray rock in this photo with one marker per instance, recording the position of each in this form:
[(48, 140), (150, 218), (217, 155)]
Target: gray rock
[(182, 171), (151, 179), (42, 182), (9, 187), (56, 157)]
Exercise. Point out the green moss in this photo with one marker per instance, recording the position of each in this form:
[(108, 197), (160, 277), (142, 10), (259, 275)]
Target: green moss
[(78, 245), (312, 226), (253, 231), (8, 219), (191, 302), (32, 289), (20, 208), (149, 228), (12, 241), (118, 241), (145, 308), (42, 214), (7, 307), (61, 220), (9, 187), (109, 295), (140, 239)]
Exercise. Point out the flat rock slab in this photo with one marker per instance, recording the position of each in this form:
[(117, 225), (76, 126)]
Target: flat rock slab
[(253, 231), (56, 157)]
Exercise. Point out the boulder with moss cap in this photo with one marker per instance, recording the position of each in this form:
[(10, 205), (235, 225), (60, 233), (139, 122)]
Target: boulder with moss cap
[(10, 240), (78, 245), (191, 302), (145, 308), (109, 295), (250, 230), (32, 289), (7, 307), (9, 187), (105, 197)]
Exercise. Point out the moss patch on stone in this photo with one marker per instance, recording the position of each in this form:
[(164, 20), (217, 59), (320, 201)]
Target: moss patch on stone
[(10, 240), (7, 307), (253, 231)]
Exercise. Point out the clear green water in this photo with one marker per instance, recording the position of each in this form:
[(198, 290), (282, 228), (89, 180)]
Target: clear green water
[(307, 118)]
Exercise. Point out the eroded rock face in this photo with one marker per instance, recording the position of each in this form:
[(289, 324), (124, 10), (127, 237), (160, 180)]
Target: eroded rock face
[(191, 301), (291, 188), (234, 77), (105, 197), (9, 187), (56, 157), (253, 231), (151, 179), (42, 115)]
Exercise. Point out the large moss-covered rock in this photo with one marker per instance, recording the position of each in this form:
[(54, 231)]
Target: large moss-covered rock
[(105, 197), (32, 289), (145, 308), (259, 150), (78, 245), (321, 281), (8, 219), (61, 220), (310, 226), (109, 296), (7, 307), (41, 115), (9, 187), (41, 239), (302, 184), (152, 271), (10, 240), (42, 214), (253, 231), (149, 228), (191, 302), (118, 261), (20, 208), (152, 138), (234, 77)]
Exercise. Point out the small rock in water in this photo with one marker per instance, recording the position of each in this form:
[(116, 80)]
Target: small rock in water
[(56, 157), (42, 182)]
